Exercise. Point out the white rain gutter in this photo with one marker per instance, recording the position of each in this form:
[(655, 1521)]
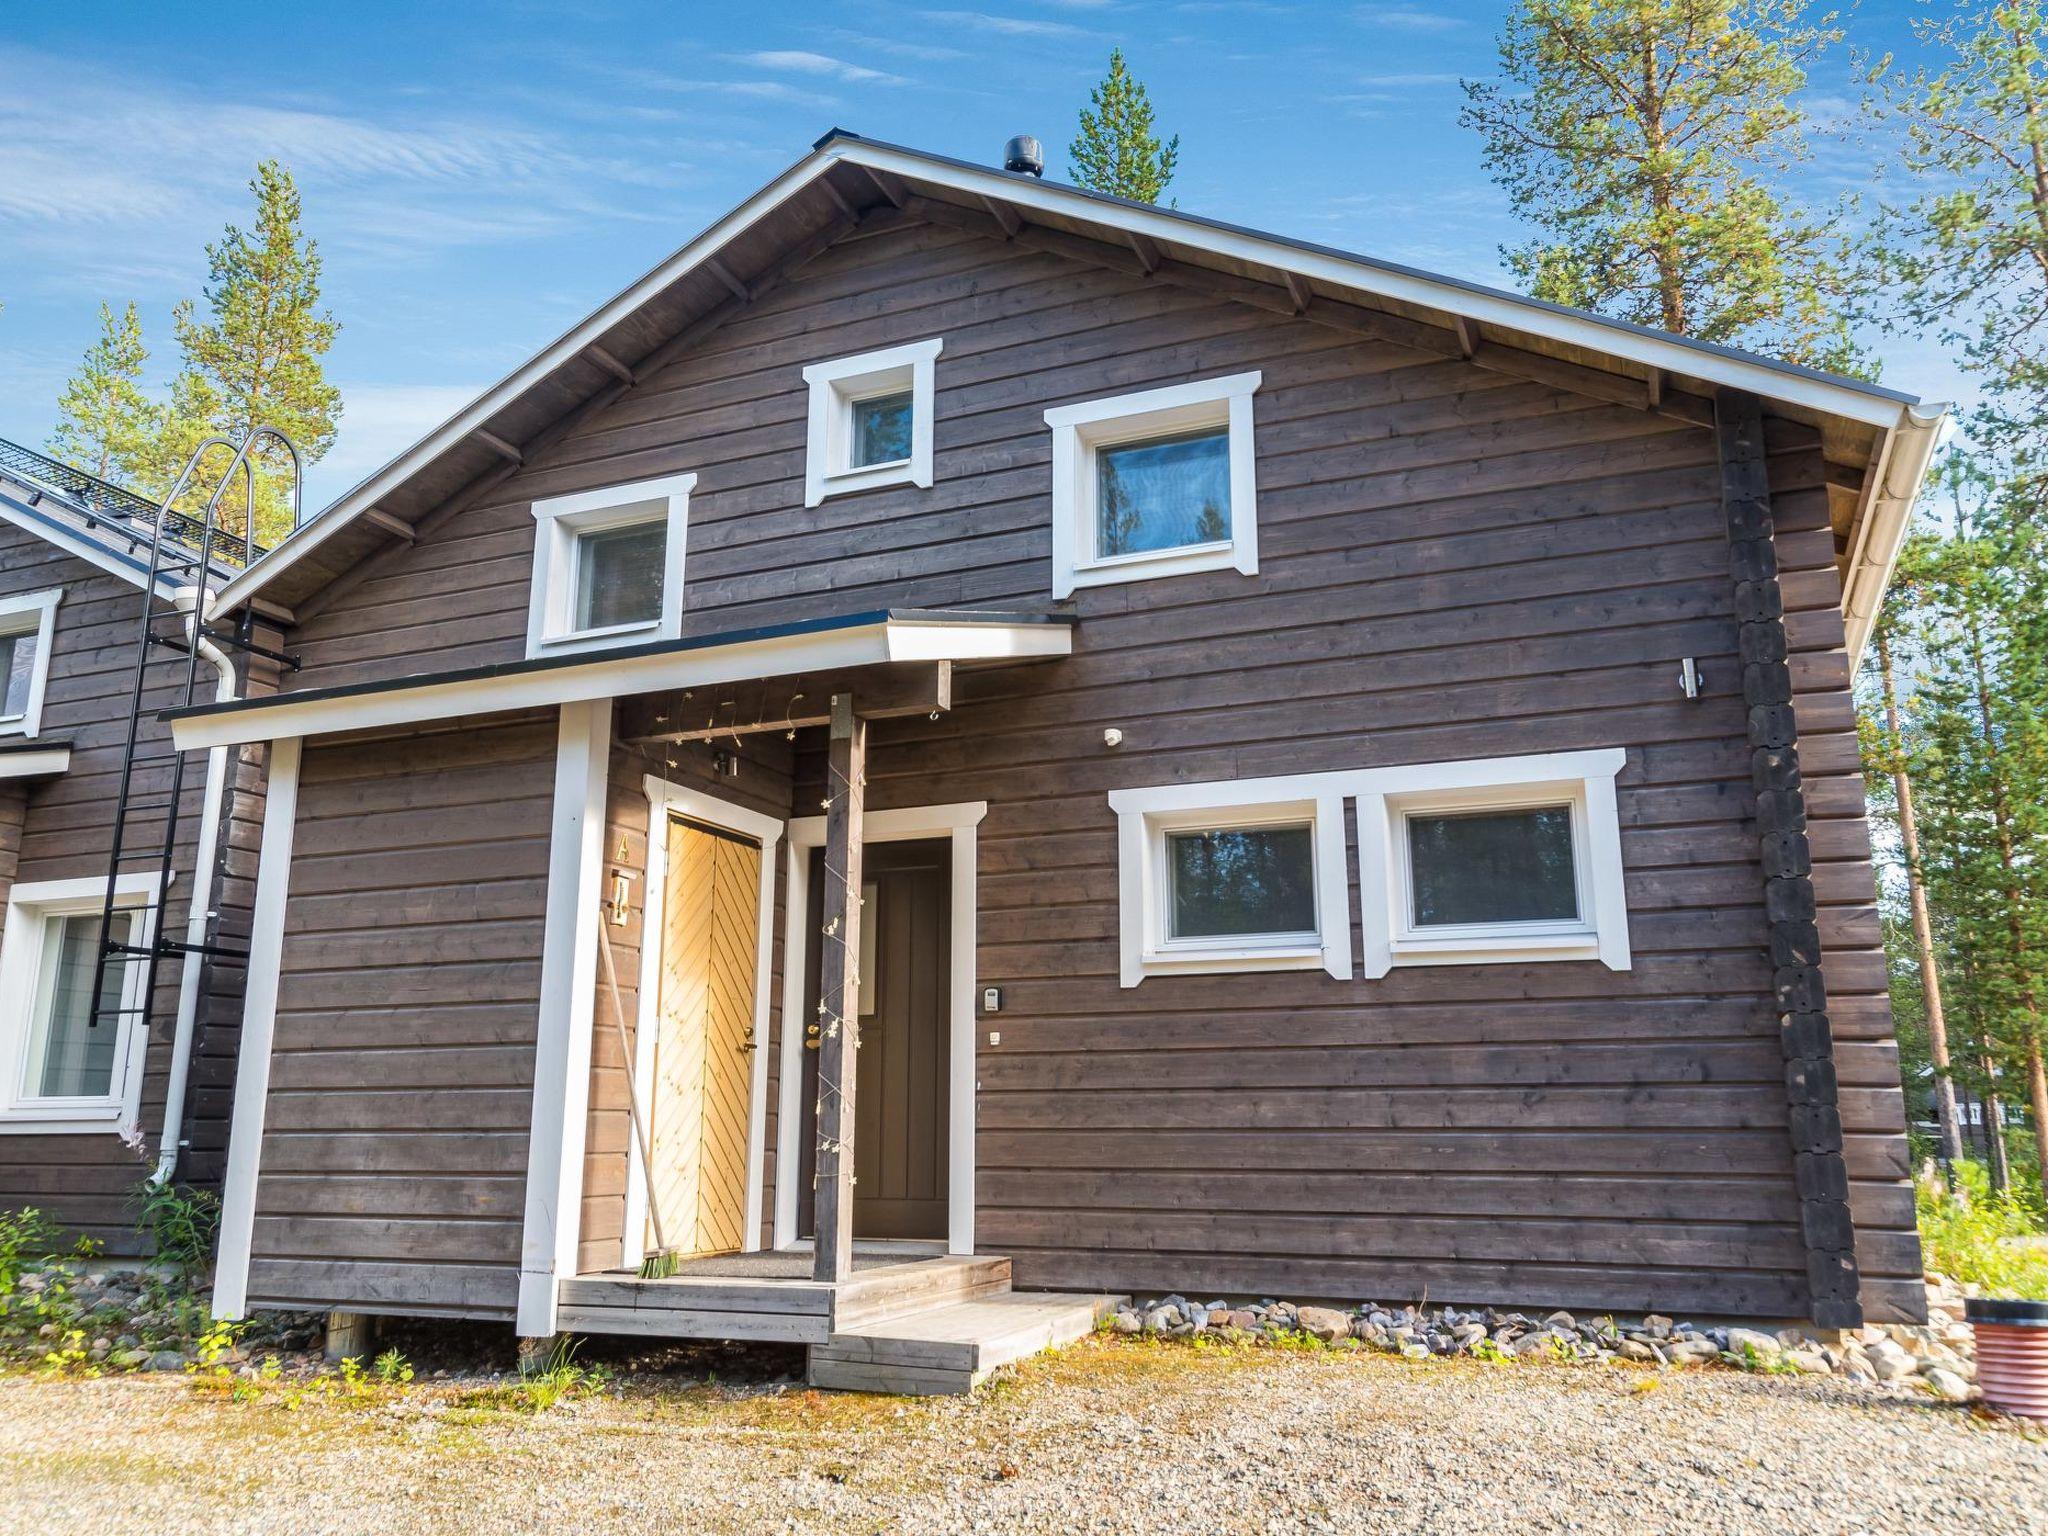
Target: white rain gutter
[(1897, 474), (197, 904)]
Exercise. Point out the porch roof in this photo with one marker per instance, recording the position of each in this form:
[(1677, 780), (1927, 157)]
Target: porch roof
[(874, 637), (33, 757)]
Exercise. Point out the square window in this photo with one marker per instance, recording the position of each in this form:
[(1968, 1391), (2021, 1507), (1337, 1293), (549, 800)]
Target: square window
[(882, 429), (27, 626), (1214, 878), (1241, 880), (63, 1068), (1169, 493), (1493, 867), (870, 421), (608, 567), (1154, 484), (618, 576)]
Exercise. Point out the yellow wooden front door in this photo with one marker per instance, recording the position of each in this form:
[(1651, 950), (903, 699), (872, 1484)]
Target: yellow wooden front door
[(703, 1056)]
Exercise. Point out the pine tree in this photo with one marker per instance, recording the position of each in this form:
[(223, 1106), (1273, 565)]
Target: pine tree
[(1116, 150), (1640, 137), (106, 424), (254, 357)]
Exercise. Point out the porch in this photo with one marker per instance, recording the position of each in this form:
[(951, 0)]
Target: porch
[(905, 1319)]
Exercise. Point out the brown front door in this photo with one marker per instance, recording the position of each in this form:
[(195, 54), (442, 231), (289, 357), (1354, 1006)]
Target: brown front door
[(900, 1087)]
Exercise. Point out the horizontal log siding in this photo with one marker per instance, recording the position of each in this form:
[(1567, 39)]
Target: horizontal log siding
[(1845, 887), (393, 1171), (763, 785), (1452, 564), (65, 832)]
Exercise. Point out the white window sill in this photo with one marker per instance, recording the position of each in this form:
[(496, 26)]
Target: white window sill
[(602, 639), (870, 477), (1153, 564), (66, 1121), (1499, 949), (1208, 962)]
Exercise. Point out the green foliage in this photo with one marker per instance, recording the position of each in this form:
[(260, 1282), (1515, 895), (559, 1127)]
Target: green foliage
[(27, 1239), (553, 1378), (1116, 150), (393, 1369), (182, 1223), (106, 424), (1642, 139), (1992, 1241)]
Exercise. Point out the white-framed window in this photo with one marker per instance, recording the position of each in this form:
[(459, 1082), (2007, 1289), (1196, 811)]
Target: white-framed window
[(27, 625), (608, 566), (871, 421), (1154, 484), (1245, 876), (65, 1070), (1493, 860)]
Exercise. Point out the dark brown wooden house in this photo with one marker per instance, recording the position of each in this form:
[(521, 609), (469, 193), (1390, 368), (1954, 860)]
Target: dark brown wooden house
[(92, 1104), (1131, 753)]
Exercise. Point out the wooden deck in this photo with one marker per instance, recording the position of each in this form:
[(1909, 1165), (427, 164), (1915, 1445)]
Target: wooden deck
[(904, 1321)]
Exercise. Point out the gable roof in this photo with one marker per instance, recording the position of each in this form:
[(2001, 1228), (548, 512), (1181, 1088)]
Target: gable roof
[(1877, 441), (99, 522)]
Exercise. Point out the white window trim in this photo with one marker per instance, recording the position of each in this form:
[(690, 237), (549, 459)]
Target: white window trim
[(1585, 780), (835, 386), (1146, 816), (560, 520), (29, 909), (1078, 431), (1582, 780), (31, 613)]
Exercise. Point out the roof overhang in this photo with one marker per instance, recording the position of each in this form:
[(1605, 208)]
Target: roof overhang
[(1880, 429), (51, 522), (854, 640), (33, 759)]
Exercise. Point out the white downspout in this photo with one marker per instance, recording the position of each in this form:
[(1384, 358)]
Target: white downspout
[(199, 904)]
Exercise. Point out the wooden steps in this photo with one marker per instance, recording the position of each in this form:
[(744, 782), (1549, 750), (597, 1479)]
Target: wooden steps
[(953, 1348)]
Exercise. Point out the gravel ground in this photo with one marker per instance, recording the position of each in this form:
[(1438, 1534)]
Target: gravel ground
[(1107, 1436)]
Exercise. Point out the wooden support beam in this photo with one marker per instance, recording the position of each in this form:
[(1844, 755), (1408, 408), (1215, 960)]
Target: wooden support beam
[(728, 711), (377, 517), (1468, 334), (1843, 477), (846, 209), (899, 196), (1653, 389), (499, 445), (1299, 291), (1148, 253), (1006, 217), (838, 1020), (608, 363), (724, 274)]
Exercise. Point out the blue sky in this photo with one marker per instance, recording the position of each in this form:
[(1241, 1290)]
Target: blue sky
[(479, 176)]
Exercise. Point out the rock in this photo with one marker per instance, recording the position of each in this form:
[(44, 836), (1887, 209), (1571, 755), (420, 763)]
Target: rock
[(1127, 1321), (1159, 1319), (167, 1360), (1693, 1349), (130, 1359), (1325, 1323), (1198, 1318), (1414, 1351), (1468, 1334), (1812, 1362), (1629, 1349), (1560, 1320), (1741, 1341), (1946, 1385)]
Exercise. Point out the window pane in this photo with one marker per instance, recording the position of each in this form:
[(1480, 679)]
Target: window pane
[(1162, 494), (78, 1057), (1246, 880), (17, 666), (619, 575), (881, 430), (1493, 867)]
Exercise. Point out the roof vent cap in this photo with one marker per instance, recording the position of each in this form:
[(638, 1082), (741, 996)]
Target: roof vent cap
[(1025, 154)]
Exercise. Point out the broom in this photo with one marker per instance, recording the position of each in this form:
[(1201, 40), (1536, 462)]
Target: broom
[(661, 1263)]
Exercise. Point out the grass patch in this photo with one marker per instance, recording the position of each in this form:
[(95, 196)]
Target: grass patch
[(1982, 1242)]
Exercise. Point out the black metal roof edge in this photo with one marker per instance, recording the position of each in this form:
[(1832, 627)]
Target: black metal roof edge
[(98, 531), (1401, 269), (678, 647)]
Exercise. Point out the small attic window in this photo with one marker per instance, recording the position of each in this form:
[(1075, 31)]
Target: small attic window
[(26, 625), (870, 421), (608, 566)]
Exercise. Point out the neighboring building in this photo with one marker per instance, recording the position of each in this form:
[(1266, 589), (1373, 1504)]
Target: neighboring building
[(90, 1106), (1360, 796)]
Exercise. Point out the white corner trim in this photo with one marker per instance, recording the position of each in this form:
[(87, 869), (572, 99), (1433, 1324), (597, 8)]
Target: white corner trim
[(29, 909), (568, 1000), (1079, 431), (259, 1026), (958, 822), (30, 613), (835, 387), (663, 797), (560, 520), (1144, 819)]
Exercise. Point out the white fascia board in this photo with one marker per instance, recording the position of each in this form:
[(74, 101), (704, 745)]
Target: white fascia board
[(1668, 353), (1899, 472), (605, 677), (29, 765), (342, 512), (54, 531)]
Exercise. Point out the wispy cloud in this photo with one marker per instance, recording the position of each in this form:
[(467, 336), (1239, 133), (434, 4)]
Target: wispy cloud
[(1409, 20), (802, 62), (1008, 26), (895, 47)]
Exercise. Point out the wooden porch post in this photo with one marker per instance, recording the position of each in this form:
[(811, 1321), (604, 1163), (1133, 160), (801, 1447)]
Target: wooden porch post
[(839, 990)]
